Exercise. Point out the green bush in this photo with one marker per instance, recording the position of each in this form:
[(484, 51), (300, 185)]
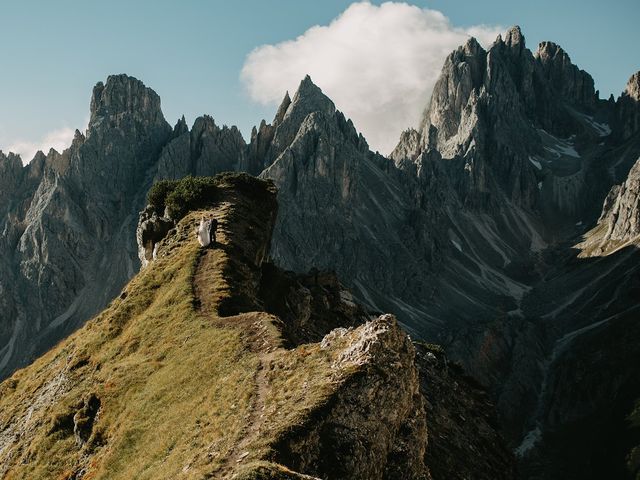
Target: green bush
[(181, 196), (157, 196)]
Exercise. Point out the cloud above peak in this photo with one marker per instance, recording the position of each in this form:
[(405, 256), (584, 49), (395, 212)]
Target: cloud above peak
[(377, 63)]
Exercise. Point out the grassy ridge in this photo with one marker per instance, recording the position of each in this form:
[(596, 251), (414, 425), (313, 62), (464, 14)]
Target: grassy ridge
[(166, 379), (188, 378)]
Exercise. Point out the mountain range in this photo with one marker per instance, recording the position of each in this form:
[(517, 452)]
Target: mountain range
[(504, 227)]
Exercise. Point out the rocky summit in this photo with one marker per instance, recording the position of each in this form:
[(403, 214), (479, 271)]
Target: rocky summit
[(503, 227)]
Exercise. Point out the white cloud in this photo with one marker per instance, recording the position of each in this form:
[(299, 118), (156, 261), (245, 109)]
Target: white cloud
[(58, 139), (377, 63)]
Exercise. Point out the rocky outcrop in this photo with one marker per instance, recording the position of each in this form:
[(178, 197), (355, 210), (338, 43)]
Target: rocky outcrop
[(310, 305), (619, 222), (343, 439), (152, 228), (628, 108), (621, 209), (461, 421), (567, 80)]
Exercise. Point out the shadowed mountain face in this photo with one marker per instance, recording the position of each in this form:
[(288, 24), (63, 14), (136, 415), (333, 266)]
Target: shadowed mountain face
[(503, 227)]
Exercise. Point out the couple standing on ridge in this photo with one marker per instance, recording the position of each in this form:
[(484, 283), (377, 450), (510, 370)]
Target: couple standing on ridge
[(207, 232)]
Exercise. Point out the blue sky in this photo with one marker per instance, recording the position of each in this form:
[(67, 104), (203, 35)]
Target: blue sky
[(192, 52)]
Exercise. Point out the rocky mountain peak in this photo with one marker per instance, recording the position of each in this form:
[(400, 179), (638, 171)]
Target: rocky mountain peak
[(628, 108), (571, 83), (122, 94), (549, 51), (471, 47), (205, 150), (180, 127), (10, 160), (282, 110), (40, 156), (632, 89), (10, 175), (514, 38), (462, 75), (204, 123), (310, 98), (78, 137)]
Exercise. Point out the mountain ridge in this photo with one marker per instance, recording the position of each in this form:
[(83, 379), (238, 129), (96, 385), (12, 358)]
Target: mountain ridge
[(187, 351), (480, 206)]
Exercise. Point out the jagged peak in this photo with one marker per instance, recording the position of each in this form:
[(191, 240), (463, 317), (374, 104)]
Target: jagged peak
[(311, 97), (472, 47), (308, 101), (514, 37), (181, 127), (40, 156), (282, 109), (632, 89), (36, 166), (10, 158), (567, 79), (202, 123), (123, 94), (78, 136), (550, 50), (206, 124)]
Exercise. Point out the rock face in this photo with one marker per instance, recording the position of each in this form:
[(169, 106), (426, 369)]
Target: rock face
[(628, 108), (151, 230), (568, 81), (344, 440), (619, 223), (463, 438), (204, 151), (67, 235)]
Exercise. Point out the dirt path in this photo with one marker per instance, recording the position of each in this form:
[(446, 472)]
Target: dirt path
[(209, 286), (204, 281), (241, 450)]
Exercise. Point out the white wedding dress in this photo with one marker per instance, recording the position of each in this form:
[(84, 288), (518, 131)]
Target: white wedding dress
[(203, 233)]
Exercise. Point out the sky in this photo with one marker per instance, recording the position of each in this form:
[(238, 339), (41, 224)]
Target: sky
[(235, 59)]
